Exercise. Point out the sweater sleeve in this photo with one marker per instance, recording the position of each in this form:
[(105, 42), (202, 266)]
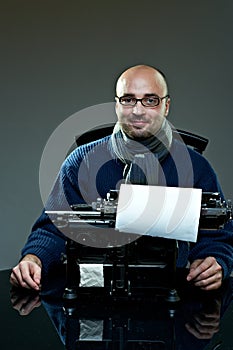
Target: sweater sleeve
[(72, 186), (45, 240), (217, 243)]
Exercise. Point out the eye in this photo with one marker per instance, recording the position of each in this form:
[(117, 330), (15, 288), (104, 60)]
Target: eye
[(151, 101), (127, 100)]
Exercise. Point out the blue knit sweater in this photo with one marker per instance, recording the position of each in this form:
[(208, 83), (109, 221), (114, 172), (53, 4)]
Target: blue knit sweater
[(91, 170)]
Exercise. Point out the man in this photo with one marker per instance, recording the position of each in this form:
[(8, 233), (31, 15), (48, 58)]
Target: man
[(142, 105)]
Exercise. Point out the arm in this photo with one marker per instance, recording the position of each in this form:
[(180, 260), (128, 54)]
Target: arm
[(212, 257), (44, 246), (41, 253)]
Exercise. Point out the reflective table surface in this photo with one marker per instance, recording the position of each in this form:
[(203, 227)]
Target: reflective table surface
[(30, 320)]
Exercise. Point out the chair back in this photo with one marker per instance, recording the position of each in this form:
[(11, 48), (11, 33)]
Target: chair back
[(197, 142)]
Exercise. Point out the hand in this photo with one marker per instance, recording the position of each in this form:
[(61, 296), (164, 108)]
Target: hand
[(205, 323), (24, 301), (27, 273), (206, 273)]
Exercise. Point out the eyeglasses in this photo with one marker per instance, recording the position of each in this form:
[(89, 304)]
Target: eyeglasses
[(150, 101)]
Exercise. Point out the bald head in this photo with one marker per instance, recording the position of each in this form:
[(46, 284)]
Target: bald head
[(138, 74)]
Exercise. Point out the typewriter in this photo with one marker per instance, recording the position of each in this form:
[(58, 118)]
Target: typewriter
[(132, 265)]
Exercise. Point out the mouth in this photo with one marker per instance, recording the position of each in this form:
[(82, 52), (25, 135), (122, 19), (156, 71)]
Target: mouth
[(138, 123)]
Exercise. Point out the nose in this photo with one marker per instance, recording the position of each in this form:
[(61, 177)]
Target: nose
[(138, 109)]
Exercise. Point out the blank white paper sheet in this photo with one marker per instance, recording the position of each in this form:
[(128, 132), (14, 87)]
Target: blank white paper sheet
[(159, 211)]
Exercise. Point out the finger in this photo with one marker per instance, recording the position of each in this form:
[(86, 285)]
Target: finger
[(210, 322), (206, 277), (31, 274), (27, 308), (17, 305), (205, 329), (21, 301), (203, 317), (211, 286), (197, 334), (22, 276), (214, 271), (37, 276), (199, 267), (29, 283), (194, 269), (204, 326), (13, 280), (196, 263), (16, 278)]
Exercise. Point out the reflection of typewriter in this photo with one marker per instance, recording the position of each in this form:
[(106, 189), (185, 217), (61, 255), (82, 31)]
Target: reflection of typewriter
[(131, 325), (141, 324), (128, 259)]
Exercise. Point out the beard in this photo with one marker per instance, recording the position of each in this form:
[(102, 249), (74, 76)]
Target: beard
[(141, 127)]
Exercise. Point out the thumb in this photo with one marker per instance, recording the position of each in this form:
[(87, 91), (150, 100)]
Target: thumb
[(37, 277)]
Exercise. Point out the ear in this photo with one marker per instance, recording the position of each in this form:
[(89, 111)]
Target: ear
[(116, 107), (167, 106), (115, 104)]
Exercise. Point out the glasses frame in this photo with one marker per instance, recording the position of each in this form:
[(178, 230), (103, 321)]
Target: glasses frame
[(141, 100)]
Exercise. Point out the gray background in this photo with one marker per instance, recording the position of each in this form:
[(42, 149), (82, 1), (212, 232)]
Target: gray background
[(58, 57)]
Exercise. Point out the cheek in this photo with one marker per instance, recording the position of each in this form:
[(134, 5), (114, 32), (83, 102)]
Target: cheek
[(159, 114), (157, 120), (121, 114), (118, 111)]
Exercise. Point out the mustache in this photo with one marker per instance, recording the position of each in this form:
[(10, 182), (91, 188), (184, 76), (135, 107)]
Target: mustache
[(138, 118)]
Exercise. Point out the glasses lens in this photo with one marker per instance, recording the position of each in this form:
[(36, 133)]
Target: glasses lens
[(150, 101), (127, 101)]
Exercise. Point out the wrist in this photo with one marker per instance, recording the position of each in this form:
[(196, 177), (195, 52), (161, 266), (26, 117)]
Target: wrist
[(33, 258)]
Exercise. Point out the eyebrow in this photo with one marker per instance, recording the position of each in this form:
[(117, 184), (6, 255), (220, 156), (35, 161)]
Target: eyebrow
[(146, 95)]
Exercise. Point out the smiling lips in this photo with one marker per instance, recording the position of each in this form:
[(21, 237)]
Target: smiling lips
[(138, 122)]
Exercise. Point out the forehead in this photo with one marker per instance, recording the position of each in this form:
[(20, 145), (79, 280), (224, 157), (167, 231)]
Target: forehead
[(141, 82)]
